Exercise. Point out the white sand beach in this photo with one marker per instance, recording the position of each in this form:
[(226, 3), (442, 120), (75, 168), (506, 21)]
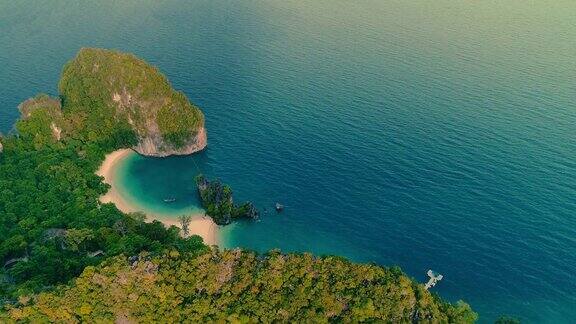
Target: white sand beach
[(200, 225)]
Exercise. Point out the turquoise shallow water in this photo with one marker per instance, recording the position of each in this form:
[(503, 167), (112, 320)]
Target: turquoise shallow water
[(146, 187), (427, 134)]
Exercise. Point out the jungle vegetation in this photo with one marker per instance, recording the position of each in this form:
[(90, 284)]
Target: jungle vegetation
[(239, 287), (51, 218)]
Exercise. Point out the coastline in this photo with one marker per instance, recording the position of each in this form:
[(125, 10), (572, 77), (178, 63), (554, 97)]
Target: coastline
[(199, 225)]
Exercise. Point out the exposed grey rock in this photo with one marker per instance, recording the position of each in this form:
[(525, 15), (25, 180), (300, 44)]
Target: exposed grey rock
[(155, 145), (13, 261), (96, 253), (51, 233)]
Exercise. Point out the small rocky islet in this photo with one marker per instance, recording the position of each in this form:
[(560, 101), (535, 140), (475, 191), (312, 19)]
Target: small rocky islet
[(217, 199)]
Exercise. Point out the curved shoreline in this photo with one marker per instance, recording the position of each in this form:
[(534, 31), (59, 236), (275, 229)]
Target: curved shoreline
[(200, 225)]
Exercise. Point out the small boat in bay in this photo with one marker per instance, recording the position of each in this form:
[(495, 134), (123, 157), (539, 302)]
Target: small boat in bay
[(169, 200)]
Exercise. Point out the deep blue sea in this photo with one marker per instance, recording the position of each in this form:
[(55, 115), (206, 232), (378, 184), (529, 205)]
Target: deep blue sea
[(425, 134)]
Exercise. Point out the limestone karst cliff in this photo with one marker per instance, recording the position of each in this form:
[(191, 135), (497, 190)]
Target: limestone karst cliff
[(107, 95), (115, 87), (155, 145)]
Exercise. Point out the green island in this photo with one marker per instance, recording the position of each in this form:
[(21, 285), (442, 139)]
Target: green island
[(67, 257), (217, 199)]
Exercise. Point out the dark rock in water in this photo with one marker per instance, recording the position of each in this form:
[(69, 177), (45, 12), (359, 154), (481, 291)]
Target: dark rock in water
[(217, 200), (279, 207), (247, 210)]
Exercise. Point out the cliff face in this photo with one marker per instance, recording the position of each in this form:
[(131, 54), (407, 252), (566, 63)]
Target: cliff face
[(109, 93), (155, 145)]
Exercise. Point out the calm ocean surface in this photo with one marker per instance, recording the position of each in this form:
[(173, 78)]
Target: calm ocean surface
[(425, 134)]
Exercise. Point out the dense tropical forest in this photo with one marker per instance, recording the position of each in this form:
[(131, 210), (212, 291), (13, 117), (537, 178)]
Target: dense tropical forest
[(54, 229), (239, 286), (50, 215)]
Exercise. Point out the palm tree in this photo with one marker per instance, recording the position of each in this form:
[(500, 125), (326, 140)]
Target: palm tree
[(185, 223)]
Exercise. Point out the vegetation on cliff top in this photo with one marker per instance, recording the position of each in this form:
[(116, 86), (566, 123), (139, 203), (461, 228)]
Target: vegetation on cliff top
[(104, 90), (41, 120), (238, 286), (217, 199)]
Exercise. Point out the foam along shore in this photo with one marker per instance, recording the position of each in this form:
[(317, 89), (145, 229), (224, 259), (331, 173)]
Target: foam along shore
[(200, 225)]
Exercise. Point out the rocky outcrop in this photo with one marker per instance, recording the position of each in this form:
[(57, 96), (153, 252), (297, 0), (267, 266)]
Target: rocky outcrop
[(11, 262), (49, 105), (125, 92), (116, 98), (42, 118), (155, 145), (56, 131), (217, 199)]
